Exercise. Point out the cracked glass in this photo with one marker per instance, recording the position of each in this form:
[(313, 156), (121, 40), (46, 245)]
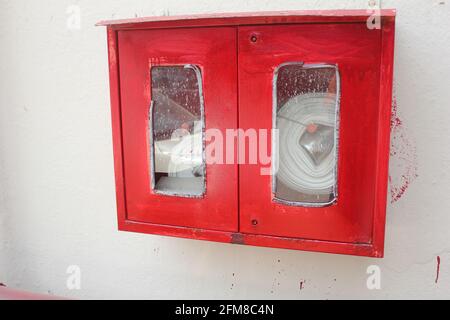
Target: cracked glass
[(177, 131)]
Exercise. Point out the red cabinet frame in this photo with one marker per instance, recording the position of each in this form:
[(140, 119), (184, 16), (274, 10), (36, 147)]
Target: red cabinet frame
[(243, 211)]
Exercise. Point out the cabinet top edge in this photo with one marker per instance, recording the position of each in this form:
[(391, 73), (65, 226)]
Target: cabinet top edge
[(250, 18)]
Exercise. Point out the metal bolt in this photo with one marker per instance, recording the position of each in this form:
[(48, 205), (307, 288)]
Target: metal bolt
[(255, 222), (254, 38)]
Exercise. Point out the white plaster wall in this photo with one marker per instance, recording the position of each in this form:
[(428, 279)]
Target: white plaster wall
[(57, 198)]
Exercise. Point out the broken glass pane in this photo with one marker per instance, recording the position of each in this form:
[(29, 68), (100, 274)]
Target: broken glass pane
[(177, 131)]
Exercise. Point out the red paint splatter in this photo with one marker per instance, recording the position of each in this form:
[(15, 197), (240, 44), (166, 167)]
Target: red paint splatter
[(302, 285), (438, 268), (395, 119), (403, 165)]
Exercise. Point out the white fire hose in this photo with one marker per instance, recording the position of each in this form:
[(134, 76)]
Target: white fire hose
[(306, 159), (298, 169)]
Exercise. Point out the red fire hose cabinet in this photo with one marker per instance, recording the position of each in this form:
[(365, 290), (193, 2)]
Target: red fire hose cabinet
[(268, 129)]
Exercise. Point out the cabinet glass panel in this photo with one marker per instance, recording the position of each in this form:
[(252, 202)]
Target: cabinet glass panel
[(177, 131), (306, 113)]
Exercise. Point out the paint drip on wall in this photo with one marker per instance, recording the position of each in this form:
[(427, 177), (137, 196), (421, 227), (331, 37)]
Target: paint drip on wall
[(438, 268), (403, 162)]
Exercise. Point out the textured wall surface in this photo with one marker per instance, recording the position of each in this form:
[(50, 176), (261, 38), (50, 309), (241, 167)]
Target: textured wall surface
[(57, 196)]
